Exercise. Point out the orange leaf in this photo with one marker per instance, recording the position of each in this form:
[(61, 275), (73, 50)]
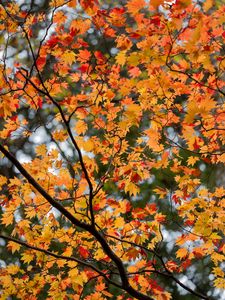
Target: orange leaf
[(156, 3), (182, 253), (84, 55), (133, 6)]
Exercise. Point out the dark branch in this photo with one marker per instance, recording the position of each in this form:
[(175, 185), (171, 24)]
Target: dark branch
[(92, 230)]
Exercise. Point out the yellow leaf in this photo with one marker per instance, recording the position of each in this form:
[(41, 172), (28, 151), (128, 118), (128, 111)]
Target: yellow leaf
[(88, 145), (72, 264), (119, 222), (68, 251), (81, 127), (41, 150), (131, 188), (133, 58), (208, 4), (3, 180), (192, 160), (13, 246), (68, 57), (13, 269), (99, 254), (218, 272), (133, 113), (54, 154), (80, 279), (182, 253), (153, 140), (217, 257), (27, 257), (47, 234), (121, 57), (14, 182), (219, 283), (73, 273), (59, 135), (7, 218), (215, 236), (161, 192), (30, 213)]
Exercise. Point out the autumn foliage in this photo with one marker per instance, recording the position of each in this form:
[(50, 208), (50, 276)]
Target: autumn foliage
[(113, 198)]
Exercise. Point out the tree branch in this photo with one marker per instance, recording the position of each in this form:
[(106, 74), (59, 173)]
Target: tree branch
[(92, 230), (58, 256)]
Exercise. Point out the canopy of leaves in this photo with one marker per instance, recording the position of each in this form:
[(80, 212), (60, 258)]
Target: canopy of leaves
[(112, 142)]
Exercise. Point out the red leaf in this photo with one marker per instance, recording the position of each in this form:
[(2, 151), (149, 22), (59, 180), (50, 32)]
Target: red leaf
[(96, 207), (134, 35), (41, 61), (155, 20), (220, 249), (84, 68), (189, 223), (135, 177), (14, 118), (186, 263), (40, 102), (143, 252), (195, 145), (176, 199), (83, 252), (53, 41), (118, 10)]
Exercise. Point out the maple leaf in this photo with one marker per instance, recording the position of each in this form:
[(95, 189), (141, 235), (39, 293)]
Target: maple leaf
[(153, 140), (134, 6), (73, 272), (218, 272), (7, 219), (41, 150), (156, 3), (192, 160), (219, 283), (40, 62), (111, 103), (134, 72), (68, 57), (84, 55), (81, 127), (83, 252), (182, 253), (100, 287), (13, 246), (13, 269), (132, 253), (121, 57), (131, 188), (90, 6), (27, 257)]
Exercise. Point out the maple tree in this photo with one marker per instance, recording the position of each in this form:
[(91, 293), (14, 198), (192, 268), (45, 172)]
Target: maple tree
[(130, 99)]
